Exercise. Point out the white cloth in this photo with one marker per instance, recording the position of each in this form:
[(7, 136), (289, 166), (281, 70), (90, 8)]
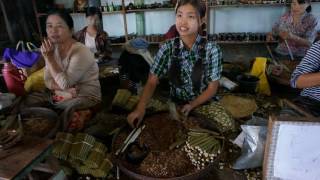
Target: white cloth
[(142, 52), (90, 42)]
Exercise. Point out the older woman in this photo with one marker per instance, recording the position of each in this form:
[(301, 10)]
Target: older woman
[(71, 73), (296, 30), (94, 37)]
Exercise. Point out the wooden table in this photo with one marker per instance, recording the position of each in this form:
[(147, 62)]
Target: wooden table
[(17, 162)]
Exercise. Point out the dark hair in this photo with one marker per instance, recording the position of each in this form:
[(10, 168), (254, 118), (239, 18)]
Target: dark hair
[(309, 8), (91, 11), (64, 15), (200, 7)]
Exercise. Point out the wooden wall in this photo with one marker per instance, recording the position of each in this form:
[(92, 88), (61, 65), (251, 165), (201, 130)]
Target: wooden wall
[(17, 21)]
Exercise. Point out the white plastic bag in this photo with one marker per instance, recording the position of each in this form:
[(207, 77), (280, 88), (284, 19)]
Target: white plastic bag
[(255, 134)]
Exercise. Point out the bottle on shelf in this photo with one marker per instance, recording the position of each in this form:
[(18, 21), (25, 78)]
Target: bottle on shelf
[(106, 8), (111, 7)]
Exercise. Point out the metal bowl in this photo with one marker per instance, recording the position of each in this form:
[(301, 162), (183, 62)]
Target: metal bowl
[(43, 113)]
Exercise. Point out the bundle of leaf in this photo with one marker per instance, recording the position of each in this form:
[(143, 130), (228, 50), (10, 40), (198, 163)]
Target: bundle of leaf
[(75, 163), (82, 169), (82, 153), (101, 172), (125, 100), (217, 115), (232, 104), (107, 125), (81, 146), (132, 102), (103, 169), (202, 147), (121, 98), (96, 155), (62, 145), (156, 105)]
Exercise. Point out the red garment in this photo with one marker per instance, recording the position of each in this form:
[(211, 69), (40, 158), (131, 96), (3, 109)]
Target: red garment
[(172, 32)]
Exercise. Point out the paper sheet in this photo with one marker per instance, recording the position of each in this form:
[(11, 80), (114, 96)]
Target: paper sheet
[(297, 155)]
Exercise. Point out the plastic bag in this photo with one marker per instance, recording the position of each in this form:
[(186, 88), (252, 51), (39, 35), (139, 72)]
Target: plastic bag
[(35, 82), (259, 70), (255, 134), (23, 58)]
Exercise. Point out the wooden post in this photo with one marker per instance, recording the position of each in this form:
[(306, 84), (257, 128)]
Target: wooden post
[(35, 9), (207, 17), (6, 20), (124, 19)]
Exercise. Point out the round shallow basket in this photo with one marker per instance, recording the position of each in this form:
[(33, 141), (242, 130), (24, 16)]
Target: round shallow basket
[(233, 102), (133, 174), (39, 113)]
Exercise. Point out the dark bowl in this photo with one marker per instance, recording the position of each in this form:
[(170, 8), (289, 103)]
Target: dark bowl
[(247, 83), (136, 153), (247, 78)]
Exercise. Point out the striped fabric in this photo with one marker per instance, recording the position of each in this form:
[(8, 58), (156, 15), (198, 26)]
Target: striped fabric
[(309, 64)]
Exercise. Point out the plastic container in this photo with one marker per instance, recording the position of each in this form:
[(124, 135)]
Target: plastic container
[(14, 79), (248, 83)]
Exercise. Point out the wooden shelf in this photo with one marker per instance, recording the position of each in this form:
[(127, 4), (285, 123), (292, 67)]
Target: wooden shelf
[(246, 42), (145, 10), (249, 5), (253, 5), (120, 44), (112, 12), (155, 43), (117, 44), (78, 13)]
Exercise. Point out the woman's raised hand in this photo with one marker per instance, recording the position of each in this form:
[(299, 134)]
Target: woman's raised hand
[(47, 48)]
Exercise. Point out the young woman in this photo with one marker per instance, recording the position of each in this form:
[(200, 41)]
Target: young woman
[(192, 64), (306, 76), (296, 29), (94, 37)]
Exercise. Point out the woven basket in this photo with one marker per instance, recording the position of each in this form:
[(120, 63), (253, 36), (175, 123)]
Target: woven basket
[(239, 107)]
